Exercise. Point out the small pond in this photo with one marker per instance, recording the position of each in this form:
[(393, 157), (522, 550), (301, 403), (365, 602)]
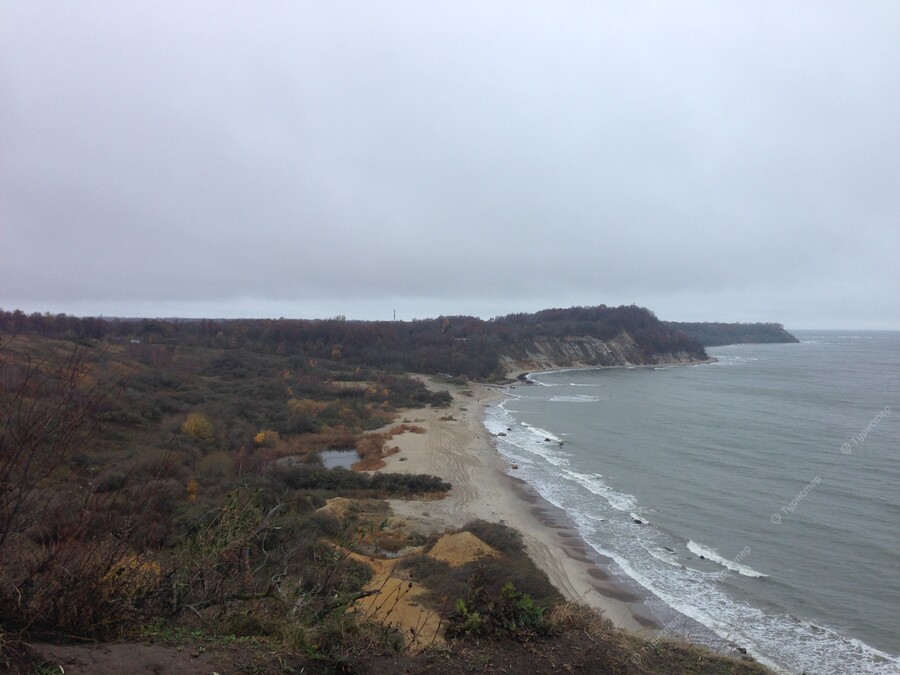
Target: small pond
[(333, 459)]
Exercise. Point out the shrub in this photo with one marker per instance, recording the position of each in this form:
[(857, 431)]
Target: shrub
[(58, 547), (112, 481), (197, 425), (501, 537), (212, 565), (215, 467), (444, 583), (341, 481), (266, 438), (507, 614)]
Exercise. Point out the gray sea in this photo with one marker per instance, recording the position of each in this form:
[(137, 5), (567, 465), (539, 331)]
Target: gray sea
[(767, 486)]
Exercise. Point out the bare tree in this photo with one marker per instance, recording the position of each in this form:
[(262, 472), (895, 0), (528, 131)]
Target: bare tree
[(49, 413)]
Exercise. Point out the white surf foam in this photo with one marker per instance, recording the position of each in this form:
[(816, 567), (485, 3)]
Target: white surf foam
[(783, 643), (532, 380), (733, 565), (542, 433), (524, 443), (578, 398), (594, 484), (663, 555)]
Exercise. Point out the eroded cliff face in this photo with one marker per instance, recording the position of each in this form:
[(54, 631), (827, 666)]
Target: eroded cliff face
[(547, 353)]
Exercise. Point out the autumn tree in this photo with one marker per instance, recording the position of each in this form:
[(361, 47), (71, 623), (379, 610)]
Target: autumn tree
[(197, 425)]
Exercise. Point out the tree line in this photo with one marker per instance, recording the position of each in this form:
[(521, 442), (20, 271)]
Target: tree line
[(716, 334), (458, 345)]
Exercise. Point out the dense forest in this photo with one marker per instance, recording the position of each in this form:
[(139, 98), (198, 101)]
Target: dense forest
[(717, 334), (457, 345)]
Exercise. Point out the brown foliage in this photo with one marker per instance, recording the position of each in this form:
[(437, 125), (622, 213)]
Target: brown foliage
[(62, 538), (370, 449), (49, 413), (398, 429)]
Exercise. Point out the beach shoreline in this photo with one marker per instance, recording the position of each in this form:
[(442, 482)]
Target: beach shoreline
[(457, 447), (523, 375)]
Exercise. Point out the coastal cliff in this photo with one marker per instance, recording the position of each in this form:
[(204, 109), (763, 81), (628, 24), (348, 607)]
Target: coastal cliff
[(547, 353)]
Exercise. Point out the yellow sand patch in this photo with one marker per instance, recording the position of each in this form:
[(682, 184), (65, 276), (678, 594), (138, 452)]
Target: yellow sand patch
[(398, 603), (461, 548)]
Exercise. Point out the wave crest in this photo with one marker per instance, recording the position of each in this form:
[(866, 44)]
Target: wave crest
[(733, 564)]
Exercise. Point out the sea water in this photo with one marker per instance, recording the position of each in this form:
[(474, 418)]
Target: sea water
[(758, 495)]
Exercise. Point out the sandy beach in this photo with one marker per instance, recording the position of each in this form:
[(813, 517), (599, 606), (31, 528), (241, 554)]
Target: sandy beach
[(457, 448)]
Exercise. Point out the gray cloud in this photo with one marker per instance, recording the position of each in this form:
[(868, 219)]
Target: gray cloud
[(708, 160)]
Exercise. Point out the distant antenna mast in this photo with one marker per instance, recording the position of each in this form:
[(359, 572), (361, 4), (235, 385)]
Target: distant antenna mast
[(395, 315)]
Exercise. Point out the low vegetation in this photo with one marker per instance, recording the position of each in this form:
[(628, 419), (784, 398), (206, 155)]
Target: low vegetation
[(171, 494), (188, 489)]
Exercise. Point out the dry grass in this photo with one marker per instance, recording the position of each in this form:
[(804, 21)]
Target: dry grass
[(371, 447)]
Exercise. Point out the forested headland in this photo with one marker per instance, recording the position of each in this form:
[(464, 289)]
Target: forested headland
[(717, 334), (463, 346)]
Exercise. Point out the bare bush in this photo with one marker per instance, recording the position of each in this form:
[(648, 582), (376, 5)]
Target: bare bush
[(64, 553)]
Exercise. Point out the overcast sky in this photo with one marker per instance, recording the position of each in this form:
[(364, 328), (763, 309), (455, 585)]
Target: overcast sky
[(735, 161)]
